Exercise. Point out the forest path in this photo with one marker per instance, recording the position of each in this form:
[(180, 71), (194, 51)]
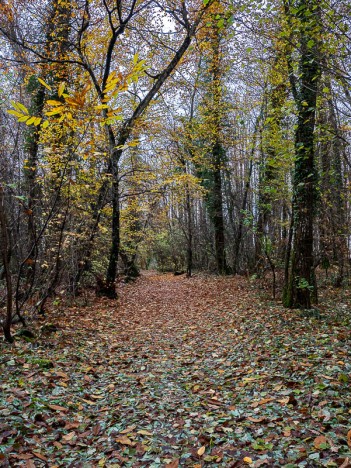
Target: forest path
[(180, 372)]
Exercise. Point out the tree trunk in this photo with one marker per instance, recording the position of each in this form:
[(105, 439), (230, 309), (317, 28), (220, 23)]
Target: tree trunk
[(301, 285), (189, 250), (6, 256), (111, 275), (332, 229), (217, 211)]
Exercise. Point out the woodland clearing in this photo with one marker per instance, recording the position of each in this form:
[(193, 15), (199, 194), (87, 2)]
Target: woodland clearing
[(179, 372)]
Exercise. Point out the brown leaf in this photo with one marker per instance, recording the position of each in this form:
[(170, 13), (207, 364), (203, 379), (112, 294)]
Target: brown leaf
[(284, 401), (143, 432), (97, 397), (346, 463), (23, 456), (58, 408), (69, 436), (96, 429), (40, 456), (72, 425), (173, 464), (128, 429), (349, 438), (261, 402), (124, 440), (319, 441), (256, 420), (29, 261), (63, 375)]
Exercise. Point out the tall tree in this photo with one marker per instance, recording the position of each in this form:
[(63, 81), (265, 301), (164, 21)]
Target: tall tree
[(303, 17)]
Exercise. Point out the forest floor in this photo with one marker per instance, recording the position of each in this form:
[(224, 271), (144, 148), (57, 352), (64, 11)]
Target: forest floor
[(179, 372)]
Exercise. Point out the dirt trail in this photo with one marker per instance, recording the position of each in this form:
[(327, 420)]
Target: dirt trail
[(186, 372)]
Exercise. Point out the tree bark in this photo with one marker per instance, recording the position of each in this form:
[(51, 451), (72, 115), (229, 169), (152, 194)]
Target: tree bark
[(217, 210), (6, 257), (301, 285)]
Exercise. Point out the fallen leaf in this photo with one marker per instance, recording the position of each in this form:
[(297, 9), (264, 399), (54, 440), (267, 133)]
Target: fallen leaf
[(349, 438), (320, 441), (71, 425), (201, 450), (248, 460), (142, 432), (124, 440), (40, 456), (63, 375), (23, 456), (68, 436), (173, 464), (58, 408), (256, 420), (128, 429), (284, 401), (346, 463)]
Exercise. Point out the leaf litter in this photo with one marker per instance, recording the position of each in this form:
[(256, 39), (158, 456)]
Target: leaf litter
[(179, 372)]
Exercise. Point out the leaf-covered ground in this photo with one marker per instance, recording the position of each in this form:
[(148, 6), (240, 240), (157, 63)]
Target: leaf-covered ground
[(179, 372)]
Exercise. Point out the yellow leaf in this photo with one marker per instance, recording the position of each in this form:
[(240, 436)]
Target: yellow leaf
[(22, 108), (248, 460), (24, 118), (101, 106), (111, 76), (72, 102), (110, 86), (58, 110), (45, 124), (61, 89), (15, 105), (52, 102), (44, 84), (16, 113), (102, 462), (30, 120), (201, 450), (37, 121)]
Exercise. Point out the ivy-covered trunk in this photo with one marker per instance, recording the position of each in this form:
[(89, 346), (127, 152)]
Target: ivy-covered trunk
[(300, 289)]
